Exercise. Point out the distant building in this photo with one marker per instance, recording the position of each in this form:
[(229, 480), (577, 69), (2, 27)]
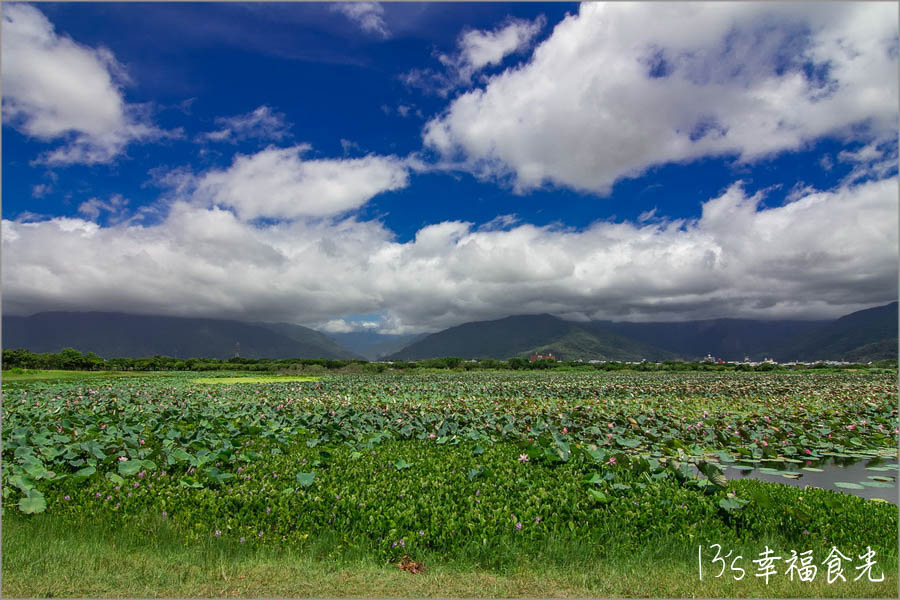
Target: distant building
[(542, 356)]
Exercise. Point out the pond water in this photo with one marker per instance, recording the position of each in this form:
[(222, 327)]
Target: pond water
[(868, 478)]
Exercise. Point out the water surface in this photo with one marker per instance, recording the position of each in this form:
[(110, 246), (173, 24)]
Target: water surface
[(869, 474)]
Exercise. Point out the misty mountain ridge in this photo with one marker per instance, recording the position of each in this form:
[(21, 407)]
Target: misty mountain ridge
[(111, 335), (862, 336), (374, 346), (525, 334)]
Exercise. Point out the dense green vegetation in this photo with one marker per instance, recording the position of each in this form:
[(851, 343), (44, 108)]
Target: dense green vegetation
[(488, 470), (20, 362)]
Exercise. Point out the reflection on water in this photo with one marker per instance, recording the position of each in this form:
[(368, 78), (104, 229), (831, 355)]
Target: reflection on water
[(875, 478)]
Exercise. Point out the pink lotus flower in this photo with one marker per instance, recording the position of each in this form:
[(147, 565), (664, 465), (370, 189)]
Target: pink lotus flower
[(523, 458), (611, 461)]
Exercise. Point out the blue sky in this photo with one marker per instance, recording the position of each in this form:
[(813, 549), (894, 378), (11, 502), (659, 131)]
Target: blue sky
[(407, 167)]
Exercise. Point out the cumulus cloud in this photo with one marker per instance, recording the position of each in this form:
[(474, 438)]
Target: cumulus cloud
[(368, 15), (620, 87), (479, 49), (822, 255), (261, 124), (476, 50), (57, 89), (277, 183), (93, 207)]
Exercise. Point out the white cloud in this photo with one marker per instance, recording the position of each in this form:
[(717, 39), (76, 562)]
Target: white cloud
[(115, 207), (40, 190), (738, 259), (476, 50), (620, 87), (479, 49), (368, 15), (647, 215), (349, 146), (277, 183), (57, 89), (262, 123), (344, 326), (872, 161)]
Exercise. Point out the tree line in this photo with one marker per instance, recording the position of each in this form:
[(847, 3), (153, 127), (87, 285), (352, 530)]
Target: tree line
[(72, 359)]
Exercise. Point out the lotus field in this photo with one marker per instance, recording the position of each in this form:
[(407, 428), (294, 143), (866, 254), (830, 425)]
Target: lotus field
[(485, 467)]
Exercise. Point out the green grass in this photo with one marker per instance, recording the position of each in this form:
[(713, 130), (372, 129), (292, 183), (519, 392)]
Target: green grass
[(44, 556), (252, 379), (27, 375), (52, 375)]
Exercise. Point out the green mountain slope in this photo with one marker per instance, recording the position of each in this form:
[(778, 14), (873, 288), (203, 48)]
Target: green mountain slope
[(374, 346), (584, 344), (865, 335), (115, 334), (311, 338), (523, 335), (728, 339)]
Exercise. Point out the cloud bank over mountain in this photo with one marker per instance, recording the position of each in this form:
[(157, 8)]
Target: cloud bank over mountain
[(268, 220)]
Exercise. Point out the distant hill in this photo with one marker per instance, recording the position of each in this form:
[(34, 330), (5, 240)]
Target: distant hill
[(728, 339), (373, 346), (308, 336), (522, 335), (866, 335), (115, 334), (863, 336)]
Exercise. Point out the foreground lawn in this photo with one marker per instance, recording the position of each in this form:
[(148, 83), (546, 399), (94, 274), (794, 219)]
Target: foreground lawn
[(47, 557)]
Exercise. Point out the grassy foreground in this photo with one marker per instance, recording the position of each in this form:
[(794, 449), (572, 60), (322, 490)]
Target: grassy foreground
[(44, 556)]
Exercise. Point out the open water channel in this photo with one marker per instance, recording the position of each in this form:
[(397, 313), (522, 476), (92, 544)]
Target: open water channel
[(870, 478)]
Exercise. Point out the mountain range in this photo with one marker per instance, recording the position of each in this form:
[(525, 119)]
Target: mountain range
[(526, 334), (862, 336), (115, 334)]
